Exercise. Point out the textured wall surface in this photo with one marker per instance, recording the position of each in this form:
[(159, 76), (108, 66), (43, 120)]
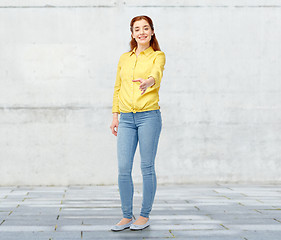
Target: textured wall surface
[(220, 96)]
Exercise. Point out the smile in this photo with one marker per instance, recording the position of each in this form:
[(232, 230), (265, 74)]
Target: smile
[(143, 37)]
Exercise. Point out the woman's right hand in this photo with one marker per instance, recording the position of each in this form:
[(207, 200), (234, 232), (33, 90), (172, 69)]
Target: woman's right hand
[(114, 125)]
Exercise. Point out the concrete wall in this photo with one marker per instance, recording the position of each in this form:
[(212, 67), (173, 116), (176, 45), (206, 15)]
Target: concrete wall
[(220, 96)]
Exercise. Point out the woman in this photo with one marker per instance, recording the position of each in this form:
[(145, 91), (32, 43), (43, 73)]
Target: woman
[(135, 97)]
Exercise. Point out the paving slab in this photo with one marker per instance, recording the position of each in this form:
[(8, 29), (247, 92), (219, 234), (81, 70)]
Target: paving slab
[(187, 211)]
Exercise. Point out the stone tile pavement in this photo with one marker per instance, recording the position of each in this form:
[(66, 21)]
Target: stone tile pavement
[(192, 211)]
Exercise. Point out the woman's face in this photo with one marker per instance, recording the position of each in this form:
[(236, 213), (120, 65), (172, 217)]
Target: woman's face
[(142, 32)]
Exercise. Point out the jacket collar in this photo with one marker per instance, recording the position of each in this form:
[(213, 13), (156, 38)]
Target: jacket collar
[(146, 51)]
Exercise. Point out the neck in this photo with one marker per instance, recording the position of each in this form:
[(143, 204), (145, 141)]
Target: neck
[(141, 48)]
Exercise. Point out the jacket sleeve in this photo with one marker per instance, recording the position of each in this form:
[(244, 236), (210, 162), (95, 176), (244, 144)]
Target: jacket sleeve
[(158, 68), (115, 105)]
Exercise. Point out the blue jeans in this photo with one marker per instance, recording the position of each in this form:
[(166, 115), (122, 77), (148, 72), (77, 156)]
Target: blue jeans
[(145, 128)]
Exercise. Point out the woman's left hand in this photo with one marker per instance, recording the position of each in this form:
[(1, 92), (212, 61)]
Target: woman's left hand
[(144, 83)]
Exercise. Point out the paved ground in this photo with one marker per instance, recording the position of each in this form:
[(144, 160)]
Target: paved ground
[(214, 211)]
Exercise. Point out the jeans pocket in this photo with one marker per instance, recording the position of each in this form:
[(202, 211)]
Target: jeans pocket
[(158, 113), (121, 116)]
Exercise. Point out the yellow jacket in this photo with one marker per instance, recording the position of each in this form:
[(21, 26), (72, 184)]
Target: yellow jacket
[(127, 95)]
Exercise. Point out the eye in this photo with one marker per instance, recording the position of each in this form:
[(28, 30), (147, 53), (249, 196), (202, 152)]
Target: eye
[(146, 28)]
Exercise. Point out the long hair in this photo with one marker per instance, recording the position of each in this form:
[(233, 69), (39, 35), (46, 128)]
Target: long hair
[(153, 42)]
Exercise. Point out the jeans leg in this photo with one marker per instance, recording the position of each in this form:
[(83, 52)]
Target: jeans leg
[(149, 133), (127, 139)]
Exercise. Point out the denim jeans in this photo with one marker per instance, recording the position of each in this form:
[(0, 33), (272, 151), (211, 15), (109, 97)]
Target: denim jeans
[(145, 128)]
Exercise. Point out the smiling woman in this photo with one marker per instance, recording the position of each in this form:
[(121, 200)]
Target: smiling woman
[(136, 97), (139, 25)]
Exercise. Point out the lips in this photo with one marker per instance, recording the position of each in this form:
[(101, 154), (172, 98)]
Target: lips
[(142, 37)]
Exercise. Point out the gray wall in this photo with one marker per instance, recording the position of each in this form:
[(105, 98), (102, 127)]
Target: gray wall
[(220, 96)]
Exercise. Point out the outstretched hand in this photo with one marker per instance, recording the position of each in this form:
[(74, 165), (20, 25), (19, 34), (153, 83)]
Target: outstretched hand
[(144, 84)]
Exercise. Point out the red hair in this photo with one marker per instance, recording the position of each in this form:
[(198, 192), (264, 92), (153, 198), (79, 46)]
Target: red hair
[(153, 42)]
